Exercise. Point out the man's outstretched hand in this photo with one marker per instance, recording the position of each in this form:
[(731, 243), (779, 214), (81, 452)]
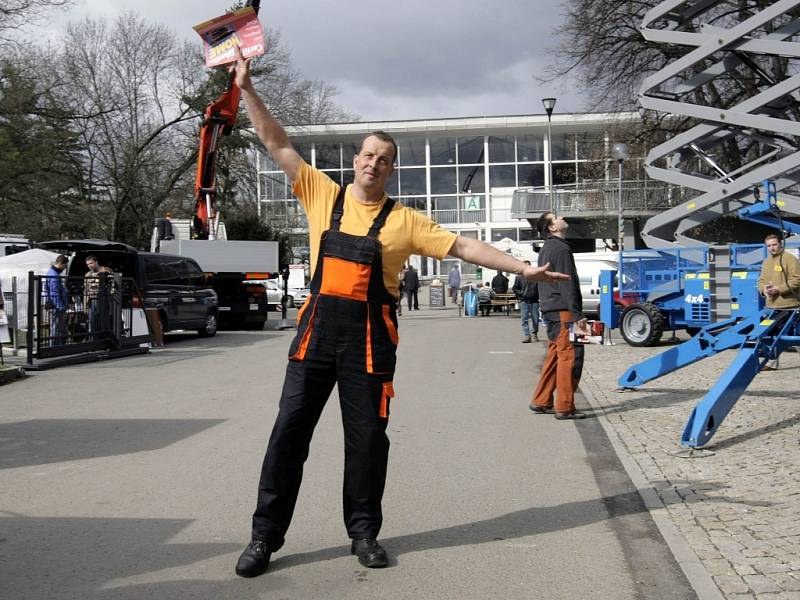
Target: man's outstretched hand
[(543, 273)]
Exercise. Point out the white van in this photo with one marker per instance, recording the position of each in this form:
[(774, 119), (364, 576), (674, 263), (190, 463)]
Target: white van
[(589, 265)]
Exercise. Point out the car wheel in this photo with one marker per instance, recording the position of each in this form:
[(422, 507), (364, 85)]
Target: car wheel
[(210, 328), (642, 324)]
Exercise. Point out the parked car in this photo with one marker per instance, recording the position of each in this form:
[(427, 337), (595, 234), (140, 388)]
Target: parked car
[(174, 286), (295, 296), (274, 294)]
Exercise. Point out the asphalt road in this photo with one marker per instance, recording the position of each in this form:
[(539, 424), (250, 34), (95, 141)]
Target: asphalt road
[(136, 478)]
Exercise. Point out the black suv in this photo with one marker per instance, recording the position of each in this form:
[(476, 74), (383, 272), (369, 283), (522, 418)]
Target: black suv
[(173, 285)]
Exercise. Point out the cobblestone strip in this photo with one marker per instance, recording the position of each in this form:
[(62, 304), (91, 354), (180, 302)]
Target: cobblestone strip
[(736, 509)]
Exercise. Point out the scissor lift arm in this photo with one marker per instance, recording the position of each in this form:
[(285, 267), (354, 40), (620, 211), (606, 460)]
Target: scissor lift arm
[(758, 338)]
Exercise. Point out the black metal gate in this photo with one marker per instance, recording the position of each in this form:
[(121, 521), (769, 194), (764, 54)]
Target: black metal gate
[(75, 315)]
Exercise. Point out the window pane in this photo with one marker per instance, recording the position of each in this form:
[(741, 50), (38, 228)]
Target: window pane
[(530, 148), (415, 203), (349, 150), (412, 152), (391, 184), (470, 150), (564, 174), (499, 234), (592, 170), (501, 149), (502, 176), (563, 147), (273, 186), (412, 181), (471, 179), (526, 234), (443, 151), (446, 203), (472, 208), (348, 175), (443, 180), (328, 156), (531, 175), (336, 176), (304, 150), (591, 146)]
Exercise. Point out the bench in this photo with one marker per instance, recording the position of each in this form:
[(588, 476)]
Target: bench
[(506, 300)]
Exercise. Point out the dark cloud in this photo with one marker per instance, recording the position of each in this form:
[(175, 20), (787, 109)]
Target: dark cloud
[(400, 60)]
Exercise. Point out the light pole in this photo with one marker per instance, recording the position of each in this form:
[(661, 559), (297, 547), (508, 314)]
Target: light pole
[(619, 152), (549, 104)]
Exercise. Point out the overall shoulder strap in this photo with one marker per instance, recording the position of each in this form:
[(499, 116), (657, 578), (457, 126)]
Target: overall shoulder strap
[(338, 210), (381, 218)]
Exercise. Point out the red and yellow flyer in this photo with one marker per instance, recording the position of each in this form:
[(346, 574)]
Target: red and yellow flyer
[(223, 34)]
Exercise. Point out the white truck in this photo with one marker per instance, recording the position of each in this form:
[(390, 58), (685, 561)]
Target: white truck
[(11, 243), (231, 266)]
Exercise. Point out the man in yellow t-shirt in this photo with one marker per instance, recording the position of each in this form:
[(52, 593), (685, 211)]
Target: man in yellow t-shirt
[(347, 331), (779, 281)]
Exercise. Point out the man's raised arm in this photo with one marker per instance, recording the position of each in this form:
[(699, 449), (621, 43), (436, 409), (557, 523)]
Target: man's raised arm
[(269, 131), (479, 253)]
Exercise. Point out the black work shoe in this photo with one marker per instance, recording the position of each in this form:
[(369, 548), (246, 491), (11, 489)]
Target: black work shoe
[(254, 560), (370, 553), (541, 410), (570, 415)]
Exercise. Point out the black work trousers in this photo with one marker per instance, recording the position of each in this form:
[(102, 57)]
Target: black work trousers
[(306, 388)]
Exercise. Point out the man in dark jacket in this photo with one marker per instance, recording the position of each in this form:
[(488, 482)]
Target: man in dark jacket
[(411, 281), (561, 306), (527, 293), (499, 286)]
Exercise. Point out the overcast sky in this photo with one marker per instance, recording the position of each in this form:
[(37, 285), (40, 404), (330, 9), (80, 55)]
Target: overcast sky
[(412, 59)]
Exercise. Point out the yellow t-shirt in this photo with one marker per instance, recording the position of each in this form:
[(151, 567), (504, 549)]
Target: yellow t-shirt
[(405, 232)]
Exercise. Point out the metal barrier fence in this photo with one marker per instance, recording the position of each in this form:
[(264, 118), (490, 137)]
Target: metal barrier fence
[(599, 198), (71, 315)]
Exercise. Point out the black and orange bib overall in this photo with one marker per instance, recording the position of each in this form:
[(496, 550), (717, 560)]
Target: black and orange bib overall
[(346, 335)]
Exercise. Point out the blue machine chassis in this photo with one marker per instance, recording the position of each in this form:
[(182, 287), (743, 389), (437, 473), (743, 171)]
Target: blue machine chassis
[(758, 338)]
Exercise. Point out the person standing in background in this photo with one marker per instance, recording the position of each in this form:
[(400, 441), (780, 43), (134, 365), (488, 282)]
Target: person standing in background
[(411, 280), (527, 294)]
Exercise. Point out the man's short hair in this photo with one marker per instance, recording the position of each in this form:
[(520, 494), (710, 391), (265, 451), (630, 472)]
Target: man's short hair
[(772, 236), (92, 257), (543, 224), (382, 136), (60, 260)]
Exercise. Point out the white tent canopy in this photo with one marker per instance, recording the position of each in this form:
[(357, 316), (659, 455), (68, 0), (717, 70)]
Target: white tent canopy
[(18, 265)]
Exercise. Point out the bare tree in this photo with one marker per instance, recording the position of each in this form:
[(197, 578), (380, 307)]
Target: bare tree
[(16, 14)]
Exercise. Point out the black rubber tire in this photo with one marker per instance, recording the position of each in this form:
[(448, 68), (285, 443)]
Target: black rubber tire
[(210, 329), (642, 324)]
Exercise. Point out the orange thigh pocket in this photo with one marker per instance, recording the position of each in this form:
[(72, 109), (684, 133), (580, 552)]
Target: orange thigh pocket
[(386, 396), (344, 278)]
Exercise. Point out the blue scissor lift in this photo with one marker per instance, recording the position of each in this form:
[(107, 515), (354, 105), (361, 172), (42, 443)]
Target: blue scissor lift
[(758, 334)]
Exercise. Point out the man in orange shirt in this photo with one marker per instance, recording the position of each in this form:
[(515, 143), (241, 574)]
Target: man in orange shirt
[(347, 331)]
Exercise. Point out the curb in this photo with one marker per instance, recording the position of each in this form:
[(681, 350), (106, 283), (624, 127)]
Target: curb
[(9, 374), (689, 562)]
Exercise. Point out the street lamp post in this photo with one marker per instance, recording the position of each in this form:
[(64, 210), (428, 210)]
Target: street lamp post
[(619, 152), (549, 104)]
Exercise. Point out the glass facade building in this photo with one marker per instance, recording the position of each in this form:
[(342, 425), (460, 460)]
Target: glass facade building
[(460, 172)]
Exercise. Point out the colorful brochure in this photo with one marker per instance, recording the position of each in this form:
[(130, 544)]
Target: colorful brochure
[(222, 35)]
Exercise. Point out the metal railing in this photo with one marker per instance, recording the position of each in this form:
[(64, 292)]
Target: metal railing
[(72, 315), (599, 198)]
